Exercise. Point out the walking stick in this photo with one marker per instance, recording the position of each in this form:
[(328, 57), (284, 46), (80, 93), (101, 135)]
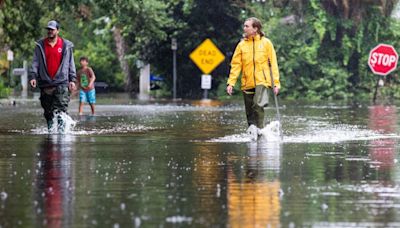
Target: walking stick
[(275, 98)]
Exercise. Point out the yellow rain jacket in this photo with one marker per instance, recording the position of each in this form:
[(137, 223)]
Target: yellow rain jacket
[(251, 59)]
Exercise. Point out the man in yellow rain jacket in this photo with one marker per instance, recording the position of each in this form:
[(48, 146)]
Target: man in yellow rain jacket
[(253, 57)]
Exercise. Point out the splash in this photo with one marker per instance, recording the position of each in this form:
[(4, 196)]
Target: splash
[(270, 133), (62, 124), (313, 132), (336, 134), (117, 129)]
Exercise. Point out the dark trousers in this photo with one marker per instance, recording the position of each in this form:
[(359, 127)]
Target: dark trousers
[(54, 100), (254, 113)]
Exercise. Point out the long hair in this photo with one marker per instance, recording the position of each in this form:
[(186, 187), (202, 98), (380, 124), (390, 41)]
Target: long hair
[(256, 24)]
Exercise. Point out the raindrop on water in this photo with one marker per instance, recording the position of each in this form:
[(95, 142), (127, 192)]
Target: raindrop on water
[(218, 190), (137, 222), (324, 207), (3, 195)]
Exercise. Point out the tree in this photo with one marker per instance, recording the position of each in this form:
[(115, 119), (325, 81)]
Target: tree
[(355, 16), (17, 27), (219, 22), (323, 46), (138, 28)]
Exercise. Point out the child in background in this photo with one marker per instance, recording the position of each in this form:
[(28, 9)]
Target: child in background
[(86, 78)]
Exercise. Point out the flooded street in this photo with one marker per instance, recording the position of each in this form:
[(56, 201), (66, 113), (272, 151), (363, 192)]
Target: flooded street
[(190, 163)]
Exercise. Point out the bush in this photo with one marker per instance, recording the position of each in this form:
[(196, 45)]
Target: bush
[(4, 91)]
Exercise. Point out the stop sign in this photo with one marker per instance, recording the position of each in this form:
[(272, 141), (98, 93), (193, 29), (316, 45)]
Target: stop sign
[(383, 59)]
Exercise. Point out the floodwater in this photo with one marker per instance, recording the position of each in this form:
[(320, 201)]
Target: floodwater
[(190, 163)]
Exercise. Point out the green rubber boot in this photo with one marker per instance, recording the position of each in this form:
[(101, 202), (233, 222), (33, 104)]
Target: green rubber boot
[(50, 126), (61, 125)]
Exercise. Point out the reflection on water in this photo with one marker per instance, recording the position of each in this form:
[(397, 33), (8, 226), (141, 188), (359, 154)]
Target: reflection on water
[(382, 151), (54, 182), (191, 164), (253, 190)]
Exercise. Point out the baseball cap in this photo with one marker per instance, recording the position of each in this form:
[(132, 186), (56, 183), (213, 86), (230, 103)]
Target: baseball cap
[(52, 25)]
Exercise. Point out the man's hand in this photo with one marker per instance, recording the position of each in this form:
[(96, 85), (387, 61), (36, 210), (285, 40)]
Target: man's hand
[(276, 90), (71, 86), (33, 83), (229, 89)]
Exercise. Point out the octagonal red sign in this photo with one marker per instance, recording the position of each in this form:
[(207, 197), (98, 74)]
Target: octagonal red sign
[(383, 59)]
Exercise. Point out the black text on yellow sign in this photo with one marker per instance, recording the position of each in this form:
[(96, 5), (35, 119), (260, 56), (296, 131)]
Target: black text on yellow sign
[(207, 56)]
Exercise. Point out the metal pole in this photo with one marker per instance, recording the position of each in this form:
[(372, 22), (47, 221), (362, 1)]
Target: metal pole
[(376, 91), (276, 99), (174, 74), (24, 80), (174, 47), (205, 94)]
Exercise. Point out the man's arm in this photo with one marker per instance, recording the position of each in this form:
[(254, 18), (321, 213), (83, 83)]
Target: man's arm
[(34, 69), (72, 72)]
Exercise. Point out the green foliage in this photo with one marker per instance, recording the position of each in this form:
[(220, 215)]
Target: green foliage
[(19, 28), (322, 53), (144, 24), (102, 60), (4, 91), (191, 29)]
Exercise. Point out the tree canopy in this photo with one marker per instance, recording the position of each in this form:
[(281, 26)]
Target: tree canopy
[(322, 46)]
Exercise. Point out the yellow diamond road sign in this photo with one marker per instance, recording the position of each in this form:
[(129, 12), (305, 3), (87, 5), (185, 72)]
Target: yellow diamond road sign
[(207, 56)]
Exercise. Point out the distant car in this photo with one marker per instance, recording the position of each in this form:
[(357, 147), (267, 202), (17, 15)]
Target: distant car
[(154, 81), (101, 87)]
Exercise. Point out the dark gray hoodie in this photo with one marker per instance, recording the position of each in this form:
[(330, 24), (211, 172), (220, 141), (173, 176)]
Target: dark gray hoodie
[(66, 72)]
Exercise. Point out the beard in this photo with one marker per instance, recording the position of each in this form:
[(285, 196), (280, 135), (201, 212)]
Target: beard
[(51, 36)]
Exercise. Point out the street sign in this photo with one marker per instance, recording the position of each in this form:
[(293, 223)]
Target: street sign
[(383, 59), (10, 55), (19, 71), (206, 81), (207, 56), (174, 44)]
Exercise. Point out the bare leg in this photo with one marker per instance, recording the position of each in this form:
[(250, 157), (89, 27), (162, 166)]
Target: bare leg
[(92, 107), (81, 108)]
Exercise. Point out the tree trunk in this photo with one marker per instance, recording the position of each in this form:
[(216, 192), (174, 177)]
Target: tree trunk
[(121, 52)]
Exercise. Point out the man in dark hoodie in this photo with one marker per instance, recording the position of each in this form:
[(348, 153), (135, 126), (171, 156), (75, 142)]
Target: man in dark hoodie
[(53, 71)]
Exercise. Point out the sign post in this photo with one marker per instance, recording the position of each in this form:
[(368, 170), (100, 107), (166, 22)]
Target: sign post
[(23, 72), (382, 60), (207, 57), (174, 47), (206, 84), (10, 58)]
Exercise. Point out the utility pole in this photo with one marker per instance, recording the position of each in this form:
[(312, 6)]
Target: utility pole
[(174, 47)]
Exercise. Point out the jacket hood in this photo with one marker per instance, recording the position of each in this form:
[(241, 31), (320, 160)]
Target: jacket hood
[(67, 43)]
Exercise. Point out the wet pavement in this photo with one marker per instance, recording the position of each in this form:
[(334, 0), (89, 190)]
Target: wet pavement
[(190, 163)]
